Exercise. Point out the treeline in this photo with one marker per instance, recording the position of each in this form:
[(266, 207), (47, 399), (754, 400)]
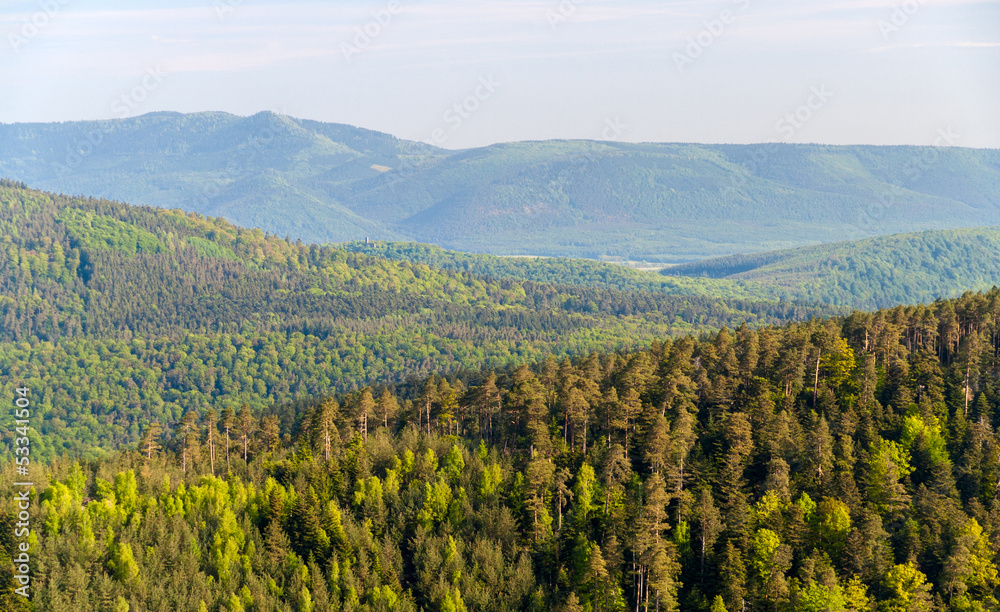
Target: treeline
[(565, 271), (730, 265), (848, 464)]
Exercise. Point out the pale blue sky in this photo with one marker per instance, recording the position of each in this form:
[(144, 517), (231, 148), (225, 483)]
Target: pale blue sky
[(556, 68)]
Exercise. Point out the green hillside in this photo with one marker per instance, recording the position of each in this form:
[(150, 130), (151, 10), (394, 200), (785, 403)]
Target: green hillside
[(223, 420), (121, 314), (657, 202), (564, 271), (872, 273), (846, 465)]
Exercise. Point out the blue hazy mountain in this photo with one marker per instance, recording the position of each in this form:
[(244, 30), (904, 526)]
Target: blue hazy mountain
[(325, 182)]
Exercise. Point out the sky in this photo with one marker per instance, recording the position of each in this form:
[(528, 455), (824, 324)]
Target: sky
[(467, 73)]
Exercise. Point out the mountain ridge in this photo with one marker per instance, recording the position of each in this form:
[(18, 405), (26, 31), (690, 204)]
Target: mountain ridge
[(668, 202)]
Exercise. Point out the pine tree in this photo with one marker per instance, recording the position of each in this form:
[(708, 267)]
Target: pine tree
[(272, 432), (632, 408), (211, 426), (366, 408), (732, 573), (597, 574), (387, 407), (150, 440), (326, 425), (428, 395), (228, 421), (709, 523), (187, 434), (247, 427), (563, 492)]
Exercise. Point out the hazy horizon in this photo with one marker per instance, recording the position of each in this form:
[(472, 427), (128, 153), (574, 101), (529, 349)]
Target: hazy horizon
[(468, 74), (944, 138)]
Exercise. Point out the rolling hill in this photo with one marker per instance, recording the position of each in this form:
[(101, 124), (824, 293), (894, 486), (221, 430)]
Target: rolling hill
[(119, 314), (659, 202), (873, 273)]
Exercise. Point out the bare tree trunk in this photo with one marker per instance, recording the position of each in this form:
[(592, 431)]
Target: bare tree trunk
[(968, 369), (703, 553), (816, 379)]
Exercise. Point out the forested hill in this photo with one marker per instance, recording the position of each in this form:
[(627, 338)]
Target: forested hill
[(872, 273), (846, 465), (865, 274), (660, 202), (121, 314), (567, 271)]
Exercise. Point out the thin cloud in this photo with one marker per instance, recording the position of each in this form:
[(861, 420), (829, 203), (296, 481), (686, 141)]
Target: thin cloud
[(937, 45)]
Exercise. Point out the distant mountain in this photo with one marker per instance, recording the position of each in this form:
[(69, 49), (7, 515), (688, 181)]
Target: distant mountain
[(873, 273), (661, 202)]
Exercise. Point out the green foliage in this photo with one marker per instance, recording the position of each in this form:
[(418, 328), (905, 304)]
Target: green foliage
[(207, 248), (908, 590), (807, 505), (682, 475), (563, 271), (101, 232), (414, 516), (833, 525), (122, 563), (117, 313), (454, 463), (915, 426), (765, 548), (821, 598)]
